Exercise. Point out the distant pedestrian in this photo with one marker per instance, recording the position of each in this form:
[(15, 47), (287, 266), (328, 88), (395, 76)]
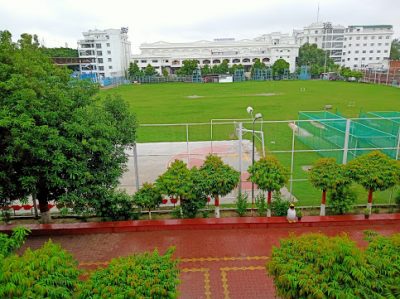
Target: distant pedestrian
[(291, 214)]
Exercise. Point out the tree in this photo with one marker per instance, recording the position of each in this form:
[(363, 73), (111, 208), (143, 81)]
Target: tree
[(148, 197), (188, 67), (219, 178), (317, 266), (165, 72), (341, 199), (374, 171), (395, 49), (234, 68), (257, 65), (280, 66), (59, 52), (326, 175), (56, 140), (134, 70), (270, 175), (311, 55), (205, 70), (150, 70), (9, 244), (184, 184)]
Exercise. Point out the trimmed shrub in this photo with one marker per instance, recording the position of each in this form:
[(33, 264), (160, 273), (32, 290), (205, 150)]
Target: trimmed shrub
[(342, 199), (241, 204), (279, 206), (8, 244), (148, 275)]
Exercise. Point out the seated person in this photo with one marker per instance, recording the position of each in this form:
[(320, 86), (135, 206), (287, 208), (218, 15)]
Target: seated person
[(291, 214)]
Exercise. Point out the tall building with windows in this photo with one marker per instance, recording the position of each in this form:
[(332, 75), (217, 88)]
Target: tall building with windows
[(367, 46), (268, 48), (108, 52)]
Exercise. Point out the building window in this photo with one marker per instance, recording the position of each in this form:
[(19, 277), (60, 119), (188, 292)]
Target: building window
[(316, 39), (350, 38), (357, 45), (98, 46), (100, 60), (109, 59), (349, 45), (108, 44), (316, 31), (386, 44), (349, 52), (101, 68), (356, 65), (371, 51), (364, 45), (107, 37), (355, 58), (370, 58), (154, 61), (110, 67), (372, 37), (379, 44), (377, 58), (99, 53), (166, 61), (357, 38), (357, 52), (372, 44), (143, 61), (109, 52), (385, 51), (364, 51), (365, 37), (363, 58), (379, 37), (387, 37), (379, 51), (348, 59)]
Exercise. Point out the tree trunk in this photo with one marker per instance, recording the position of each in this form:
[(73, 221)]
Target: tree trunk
[(323, 203), (35, 205), (269, 203), (217, 213), (370, 194), (269, 197), (43, 206), (149, 214)]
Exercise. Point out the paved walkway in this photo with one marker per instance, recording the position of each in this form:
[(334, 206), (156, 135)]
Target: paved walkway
[(227, 263)]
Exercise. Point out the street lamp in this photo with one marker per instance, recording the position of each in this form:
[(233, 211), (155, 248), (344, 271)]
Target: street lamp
[(257, 116)]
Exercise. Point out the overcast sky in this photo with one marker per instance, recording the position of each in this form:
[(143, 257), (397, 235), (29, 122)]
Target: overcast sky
[(58, 22)]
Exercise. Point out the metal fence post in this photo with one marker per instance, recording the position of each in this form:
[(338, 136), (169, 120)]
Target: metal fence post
[(187, 144), (346, 141), (135, 161), (240, 156), (291, 163)]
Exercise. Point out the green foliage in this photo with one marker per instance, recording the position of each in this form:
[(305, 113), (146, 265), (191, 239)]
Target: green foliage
[(374, 171), (205, 70), (188, 67), (59, 52), (326, 174), (299, 213), (147, 197), (134, 70), (341, 199), (311, 55), (9, 244), (197, 198), (221, 68), (241, 204), (57, 141), (148, 275), (383, 254), (397, 198), (257, 65), (235, 67), (279, 206), (261, 204), (164, 72), (48, 272), (347, 73), (269, 174), (395, 50), (219, 178), (279, 67), (150, 70), (317, 266)]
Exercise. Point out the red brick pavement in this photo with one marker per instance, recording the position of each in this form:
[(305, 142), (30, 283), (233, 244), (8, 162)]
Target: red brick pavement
[(228, 263)]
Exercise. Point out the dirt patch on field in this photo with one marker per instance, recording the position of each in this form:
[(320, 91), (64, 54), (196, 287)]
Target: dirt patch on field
[(194, 97)]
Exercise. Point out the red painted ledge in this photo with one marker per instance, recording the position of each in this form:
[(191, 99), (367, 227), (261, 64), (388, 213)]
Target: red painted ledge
[(201, 223)]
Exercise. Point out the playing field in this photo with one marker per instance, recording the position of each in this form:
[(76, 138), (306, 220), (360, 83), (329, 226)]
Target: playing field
[(276, 100)]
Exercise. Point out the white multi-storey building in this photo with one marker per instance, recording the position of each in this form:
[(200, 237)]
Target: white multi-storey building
[(268, 48), (367, 46), (108, 50), (326, 36)]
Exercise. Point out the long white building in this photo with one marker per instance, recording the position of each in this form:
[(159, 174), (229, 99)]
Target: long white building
[(268, 48), (108, 50)]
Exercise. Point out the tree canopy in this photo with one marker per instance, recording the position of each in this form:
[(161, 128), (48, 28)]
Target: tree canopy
[(280, 66), (311, 55), (148, 197), (59, 52), (188, 67), (134, 70), (395, 49), (150, 70), (56, 140)]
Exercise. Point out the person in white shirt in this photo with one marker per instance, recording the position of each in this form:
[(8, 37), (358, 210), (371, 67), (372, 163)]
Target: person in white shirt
[(291, 214)]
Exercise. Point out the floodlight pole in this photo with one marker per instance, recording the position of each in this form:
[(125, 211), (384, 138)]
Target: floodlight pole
[(257, 116)]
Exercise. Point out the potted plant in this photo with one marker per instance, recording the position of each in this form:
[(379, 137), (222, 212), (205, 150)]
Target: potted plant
[(366, 213), (299, 215)]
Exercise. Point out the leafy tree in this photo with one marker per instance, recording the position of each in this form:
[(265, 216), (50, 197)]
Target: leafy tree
[(150, 70), (279, 206), (205, 70), (48, 272), (165, 73), (347, 73), (59, 52), (341, 199), (311, 55), (235, 67), (395, 49), (148, 197), (9, 244), (269, 174), (326, 175), (222, 68), (374, 171), (219, 178), (317, 266), (188, 67), (279, 67), (148, 275), (257, 65), (56, 140), (184, 184), (134, 70), (241, 204)]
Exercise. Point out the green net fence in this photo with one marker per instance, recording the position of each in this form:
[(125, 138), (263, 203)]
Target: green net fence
[(325, 132)]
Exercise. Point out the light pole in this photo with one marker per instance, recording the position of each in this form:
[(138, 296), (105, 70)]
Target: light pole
[(257, 116)]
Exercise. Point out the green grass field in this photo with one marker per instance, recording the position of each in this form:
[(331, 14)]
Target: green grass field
[(276, 100)]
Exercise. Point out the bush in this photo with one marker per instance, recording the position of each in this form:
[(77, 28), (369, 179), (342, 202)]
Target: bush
[(48, 272), (114, 204), (241, 204), (341, 199), (147, 275), (397, 199), (279, 207), (317, 266), (261, 204), (8, 244)]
